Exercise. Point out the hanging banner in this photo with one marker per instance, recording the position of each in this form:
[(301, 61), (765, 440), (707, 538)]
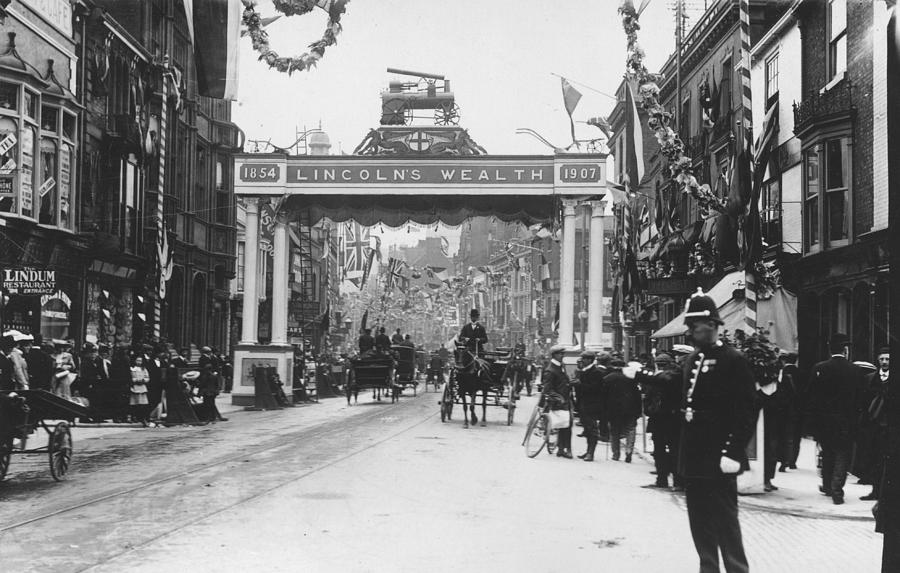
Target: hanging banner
[(29, 281)]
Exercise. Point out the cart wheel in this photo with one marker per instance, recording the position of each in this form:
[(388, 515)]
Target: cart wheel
[(396, 112), (511, 404), (5, 454), (447, 114), (535, 437), (60, 450)]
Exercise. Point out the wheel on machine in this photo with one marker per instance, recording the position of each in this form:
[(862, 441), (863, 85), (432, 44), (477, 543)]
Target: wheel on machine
[(5, 455), (551, 437), (59, 448), (535, 436)]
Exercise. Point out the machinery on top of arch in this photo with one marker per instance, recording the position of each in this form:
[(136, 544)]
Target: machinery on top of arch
[(399, 133)]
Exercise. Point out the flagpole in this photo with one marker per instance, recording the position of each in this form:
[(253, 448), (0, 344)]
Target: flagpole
[(746, 124)]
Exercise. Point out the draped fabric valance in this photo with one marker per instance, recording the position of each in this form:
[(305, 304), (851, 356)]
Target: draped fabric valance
[(397, 210)]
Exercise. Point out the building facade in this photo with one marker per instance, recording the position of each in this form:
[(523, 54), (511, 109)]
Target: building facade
[(93, 169)]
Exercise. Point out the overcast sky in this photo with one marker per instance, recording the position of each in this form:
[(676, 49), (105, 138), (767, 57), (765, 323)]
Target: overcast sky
[(498, 55)]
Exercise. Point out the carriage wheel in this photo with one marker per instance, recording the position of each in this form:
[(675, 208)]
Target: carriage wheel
[(396, 112), (5, 454), (511, 404), (446, 114), (59, 449), (535, 437)]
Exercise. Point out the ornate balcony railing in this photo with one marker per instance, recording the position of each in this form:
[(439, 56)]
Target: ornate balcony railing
[(829, 104)]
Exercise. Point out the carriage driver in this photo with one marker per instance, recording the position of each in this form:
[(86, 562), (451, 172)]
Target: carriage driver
[(473, 335)]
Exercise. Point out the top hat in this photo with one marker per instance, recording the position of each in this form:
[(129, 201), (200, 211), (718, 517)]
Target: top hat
[(701, 307), (474, 313)]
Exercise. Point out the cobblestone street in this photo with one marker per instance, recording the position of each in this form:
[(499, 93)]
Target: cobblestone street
[(372, 487)]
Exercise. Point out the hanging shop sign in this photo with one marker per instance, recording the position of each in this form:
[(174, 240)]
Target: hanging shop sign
[(29, 281)]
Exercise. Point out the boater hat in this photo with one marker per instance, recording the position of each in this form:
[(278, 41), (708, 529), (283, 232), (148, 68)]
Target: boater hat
[(701, 307)]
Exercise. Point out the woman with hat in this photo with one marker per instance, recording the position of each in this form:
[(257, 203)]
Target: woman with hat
[(557, 394)]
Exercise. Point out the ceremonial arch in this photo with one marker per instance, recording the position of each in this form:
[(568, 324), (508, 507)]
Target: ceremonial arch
[(423, 175)]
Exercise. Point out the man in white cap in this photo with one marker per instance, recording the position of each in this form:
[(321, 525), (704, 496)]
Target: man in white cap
[(557, 393)]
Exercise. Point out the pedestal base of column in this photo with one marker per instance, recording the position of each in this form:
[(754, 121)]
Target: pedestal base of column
[(247, 356)]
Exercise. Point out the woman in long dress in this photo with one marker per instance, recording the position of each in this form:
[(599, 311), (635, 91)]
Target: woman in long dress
[(138, 400), (64, 373)]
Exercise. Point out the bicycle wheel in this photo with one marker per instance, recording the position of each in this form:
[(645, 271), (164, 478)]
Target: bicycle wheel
[(551, 437), (535, 438)]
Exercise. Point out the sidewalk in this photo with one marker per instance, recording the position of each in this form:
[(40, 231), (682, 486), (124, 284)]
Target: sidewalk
[(798, 490)]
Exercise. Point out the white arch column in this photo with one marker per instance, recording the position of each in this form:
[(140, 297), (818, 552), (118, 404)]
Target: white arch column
[(595, 277), (250, 308), (280, 294), (567, 274)]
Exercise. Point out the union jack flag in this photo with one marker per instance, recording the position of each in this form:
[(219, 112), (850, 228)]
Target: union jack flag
[(395, 276), (356, 241)]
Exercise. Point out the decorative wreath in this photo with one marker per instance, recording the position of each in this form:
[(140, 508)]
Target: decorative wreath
[(260, 38), (659, 119)]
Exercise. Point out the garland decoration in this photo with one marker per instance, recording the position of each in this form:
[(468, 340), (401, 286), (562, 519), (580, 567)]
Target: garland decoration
[(659, 119), (290, 64)]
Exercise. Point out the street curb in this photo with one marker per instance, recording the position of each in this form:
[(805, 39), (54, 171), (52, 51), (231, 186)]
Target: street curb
[(752, 502)]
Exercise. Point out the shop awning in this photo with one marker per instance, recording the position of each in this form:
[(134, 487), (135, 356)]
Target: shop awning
[(778, 314)]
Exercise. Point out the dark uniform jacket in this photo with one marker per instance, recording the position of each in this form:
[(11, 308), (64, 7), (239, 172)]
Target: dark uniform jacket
[(366, 342), (40, 368), (622, 398), (7, 383), (721, 409), (834, 395), (382, 342), (888, 517), (474, 335), (590, 391), (556, 387), (662, 398)]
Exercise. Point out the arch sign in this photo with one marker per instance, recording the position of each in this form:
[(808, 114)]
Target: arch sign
[(266, 174)]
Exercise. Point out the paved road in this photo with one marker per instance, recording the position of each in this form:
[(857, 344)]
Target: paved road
[(375, 487)]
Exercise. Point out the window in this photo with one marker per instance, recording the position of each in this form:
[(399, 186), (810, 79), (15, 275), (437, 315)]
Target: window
[(130, 227), (684, 130), (837, 189), (48, 178), (827, 202), (725, 89), (771, 78), (240, 266), (811, 200), (837, 37), (770, 212), (9, 149)]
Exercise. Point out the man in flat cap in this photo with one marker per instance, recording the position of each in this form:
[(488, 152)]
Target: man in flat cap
[(834, 392), (557, 393), (589, 386)]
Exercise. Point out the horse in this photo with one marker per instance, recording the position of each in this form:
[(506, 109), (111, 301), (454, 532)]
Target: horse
[(473, 375)]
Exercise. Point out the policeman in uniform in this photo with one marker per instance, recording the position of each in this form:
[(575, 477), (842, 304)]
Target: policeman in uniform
[(662, 404), (557, 393), (719, 419), (589, 386), (473, 334)]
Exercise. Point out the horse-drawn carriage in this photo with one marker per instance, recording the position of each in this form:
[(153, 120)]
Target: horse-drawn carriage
[(406, 372), (23, 412), (479, 372), (371, 372)]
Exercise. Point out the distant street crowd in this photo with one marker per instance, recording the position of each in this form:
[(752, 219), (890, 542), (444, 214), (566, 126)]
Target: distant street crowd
[(138, 383)]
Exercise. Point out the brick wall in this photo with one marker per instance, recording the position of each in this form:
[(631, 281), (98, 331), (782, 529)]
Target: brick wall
[(879, 118)]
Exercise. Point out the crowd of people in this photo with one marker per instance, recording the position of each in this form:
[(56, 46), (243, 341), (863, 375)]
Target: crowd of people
[(702, 403), (125, 383)]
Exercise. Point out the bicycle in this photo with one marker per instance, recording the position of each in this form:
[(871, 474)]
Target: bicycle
[(538, 433)]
